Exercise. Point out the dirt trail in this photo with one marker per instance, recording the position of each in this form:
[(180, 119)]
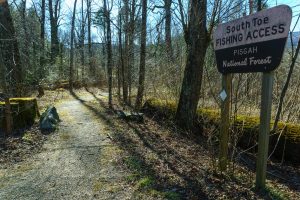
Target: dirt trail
[(74, 163)]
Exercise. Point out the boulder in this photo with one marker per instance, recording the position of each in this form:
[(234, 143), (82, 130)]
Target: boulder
[(131, 116), (49, 119)]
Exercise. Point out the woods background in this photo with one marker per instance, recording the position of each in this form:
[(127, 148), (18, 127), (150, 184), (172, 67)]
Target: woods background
[(139, 49)]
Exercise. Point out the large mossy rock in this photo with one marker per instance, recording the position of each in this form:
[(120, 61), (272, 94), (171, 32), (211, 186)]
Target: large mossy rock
[(286, 139), (24, 112), (49, 119)]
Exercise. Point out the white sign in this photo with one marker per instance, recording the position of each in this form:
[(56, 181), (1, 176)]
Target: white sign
[(254, 43), (270, 24), (223, 95)]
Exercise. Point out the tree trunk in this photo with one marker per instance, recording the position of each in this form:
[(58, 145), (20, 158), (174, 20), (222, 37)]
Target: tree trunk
[(42, 36), (168, 41), (82, 42), (196, 39), (10, 50), (139, 97), (72, 48), (126, 56), (89, 24), (8, 116), (121, 62), (26, 61), (54, 12), (61, 60), (131, 48), (109, 52)]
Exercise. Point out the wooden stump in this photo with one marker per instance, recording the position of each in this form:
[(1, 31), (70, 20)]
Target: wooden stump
[(8, 117), (24, 111)]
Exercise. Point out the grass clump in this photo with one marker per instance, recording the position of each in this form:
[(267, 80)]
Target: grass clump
[(97, 186), (271, 192), (133, 177), (145, 183), (133, 163), (275, 194), (171, 195), (28, 137)]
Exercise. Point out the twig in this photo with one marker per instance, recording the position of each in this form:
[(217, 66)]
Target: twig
[(277, 142)]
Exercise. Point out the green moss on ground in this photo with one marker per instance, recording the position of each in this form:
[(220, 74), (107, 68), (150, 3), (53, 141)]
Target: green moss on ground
[(145, 183), (242, 122), (28, 137), (246, 126)]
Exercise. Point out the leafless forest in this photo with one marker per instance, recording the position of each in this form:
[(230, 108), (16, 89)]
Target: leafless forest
[(138, 50), (134, 51)]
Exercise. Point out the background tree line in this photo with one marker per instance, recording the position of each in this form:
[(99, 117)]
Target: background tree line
[(138, 49)]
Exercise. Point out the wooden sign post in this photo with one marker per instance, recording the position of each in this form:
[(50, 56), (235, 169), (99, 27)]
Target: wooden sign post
[(225, 122), (254, 43), (264, 128)]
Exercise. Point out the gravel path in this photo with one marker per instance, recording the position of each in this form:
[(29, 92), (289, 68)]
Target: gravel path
[(74, 163)]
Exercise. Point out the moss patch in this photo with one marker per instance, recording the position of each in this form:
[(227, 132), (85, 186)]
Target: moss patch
[(145, 183), (242, 122), (133, 163), (98, 185), (28, 137), (246, 126)]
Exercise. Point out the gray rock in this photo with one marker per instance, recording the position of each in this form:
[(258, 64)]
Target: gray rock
[(49, 119), (131, 116)]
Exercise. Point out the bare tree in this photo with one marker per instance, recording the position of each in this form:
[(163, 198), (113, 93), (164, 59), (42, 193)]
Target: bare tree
[(42, 36), (121, 61), (126, 55), (10, 49), (54, 12), (89, 26), (72, 48), (131, 31), (168, 39), (141, 86), (81, 39), (288, 79), (42, 20), (22, 11), (109, 51), (197, 41)]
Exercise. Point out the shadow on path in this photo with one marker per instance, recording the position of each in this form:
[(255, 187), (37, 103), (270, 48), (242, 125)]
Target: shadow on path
[(190, 187)]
